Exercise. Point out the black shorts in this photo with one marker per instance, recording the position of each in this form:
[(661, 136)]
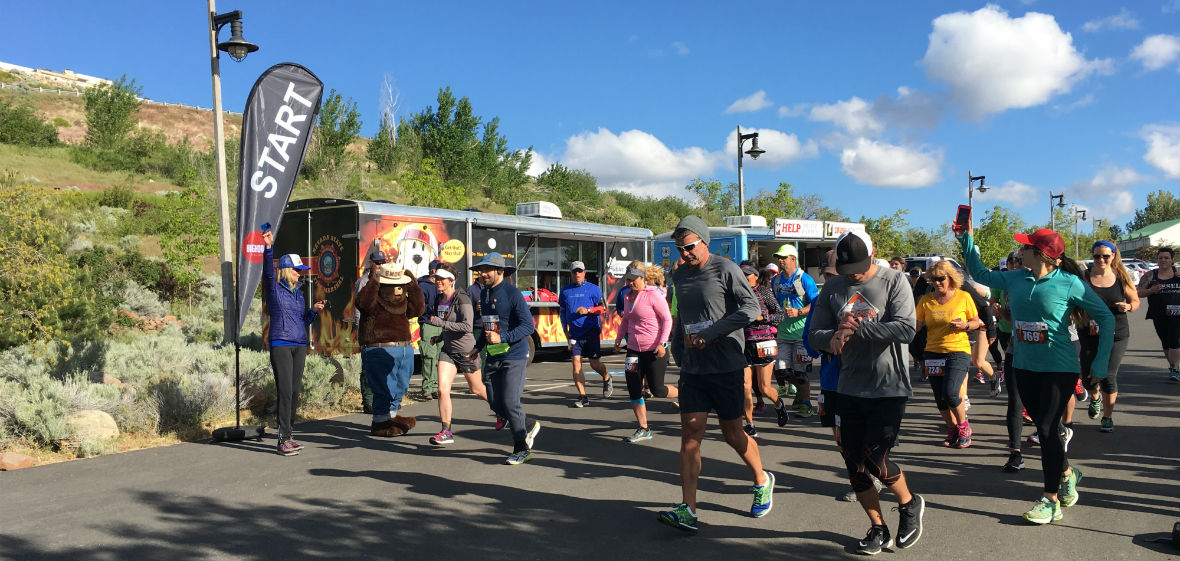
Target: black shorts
[(827, 409), (868, 423), (462, 363), (1168, 330), (647, 367), (723, 393), (752, 357), (587, 347)]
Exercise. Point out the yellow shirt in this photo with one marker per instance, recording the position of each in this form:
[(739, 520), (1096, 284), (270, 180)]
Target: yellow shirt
[(940, 338)]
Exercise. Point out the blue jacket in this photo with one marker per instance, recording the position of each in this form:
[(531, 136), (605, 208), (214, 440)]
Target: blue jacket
[(516, 321), (576, 296), (429, 297), (287, 307)]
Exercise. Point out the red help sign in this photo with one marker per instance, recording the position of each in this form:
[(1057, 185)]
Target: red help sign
[(253, 246)]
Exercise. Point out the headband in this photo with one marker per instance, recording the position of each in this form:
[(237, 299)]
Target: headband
[(1113, 249)]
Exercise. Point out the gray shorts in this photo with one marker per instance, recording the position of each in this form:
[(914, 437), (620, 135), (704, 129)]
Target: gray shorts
[(462, 363), (793, 357)]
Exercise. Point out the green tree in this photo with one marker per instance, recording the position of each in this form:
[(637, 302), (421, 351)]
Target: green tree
[(575, 191), (1161, 207), (993, 235), (20, 125), (188, 233), (337, 126), (381, 150), (780, 203), (426, 188), (812, 207), (888, 233), (656, 214), (714, 198), (930, 240), (111, 110), (1114, 231)]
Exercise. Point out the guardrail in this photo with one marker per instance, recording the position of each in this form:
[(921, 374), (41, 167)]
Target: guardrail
[(79, 93)]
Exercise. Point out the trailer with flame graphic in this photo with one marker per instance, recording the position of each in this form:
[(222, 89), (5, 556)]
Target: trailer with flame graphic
[(335, 236)]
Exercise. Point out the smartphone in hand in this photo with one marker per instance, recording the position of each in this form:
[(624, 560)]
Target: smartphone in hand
[(962, 219)]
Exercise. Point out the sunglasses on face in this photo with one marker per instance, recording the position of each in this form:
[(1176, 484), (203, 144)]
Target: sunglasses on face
[(687, 247), (1103, 256), (938, 279)]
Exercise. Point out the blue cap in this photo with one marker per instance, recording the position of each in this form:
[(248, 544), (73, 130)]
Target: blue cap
[(494, 259), (377, 256), (434, 265), (292, 261)]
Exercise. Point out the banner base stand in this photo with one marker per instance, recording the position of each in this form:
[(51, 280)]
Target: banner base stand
[(236, 434)]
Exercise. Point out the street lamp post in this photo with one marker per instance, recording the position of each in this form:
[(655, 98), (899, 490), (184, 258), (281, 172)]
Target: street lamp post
[(1077, 212), (238, 48), (971, 179), (1060, 204), (754, 152)]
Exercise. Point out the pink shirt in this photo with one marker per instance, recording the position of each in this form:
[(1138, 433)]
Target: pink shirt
[(647, 322)]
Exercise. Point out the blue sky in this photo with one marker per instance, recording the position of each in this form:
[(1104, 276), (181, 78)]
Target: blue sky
[(873, 105)]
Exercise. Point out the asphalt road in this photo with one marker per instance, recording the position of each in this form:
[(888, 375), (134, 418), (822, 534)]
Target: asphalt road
[(590, 495)]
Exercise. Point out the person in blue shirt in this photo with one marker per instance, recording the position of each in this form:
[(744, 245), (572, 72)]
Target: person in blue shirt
[(581, 307), (289, 318), (507, 323), (795, 290)]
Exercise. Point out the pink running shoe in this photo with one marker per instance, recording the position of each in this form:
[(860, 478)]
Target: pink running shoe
[(501, 422), (443, 437)]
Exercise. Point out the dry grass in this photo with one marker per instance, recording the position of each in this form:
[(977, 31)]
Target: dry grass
[(52, 168)]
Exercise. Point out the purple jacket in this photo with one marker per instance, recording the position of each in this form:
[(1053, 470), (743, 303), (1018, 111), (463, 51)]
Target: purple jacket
[(288, 311)]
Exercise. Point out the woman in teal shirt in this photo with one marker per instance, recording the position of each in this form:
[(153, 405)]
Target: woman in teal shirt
[(1042, 297)]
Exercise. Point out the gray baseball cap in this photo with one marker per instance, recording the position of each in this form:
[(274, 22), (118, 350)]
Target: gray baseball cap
[(577, 266)]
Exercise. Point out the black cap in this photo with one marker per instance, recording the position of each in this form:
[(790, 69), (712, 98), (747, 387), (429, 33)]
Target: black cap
[(854, 252)]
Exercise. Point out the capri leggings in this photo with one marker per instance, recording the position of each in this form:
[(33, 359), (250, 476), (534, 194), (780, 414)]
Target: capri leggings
[(1168, 330), (868, 431), (946, 384), (1046, 395), (646, 367), (1109, 384)]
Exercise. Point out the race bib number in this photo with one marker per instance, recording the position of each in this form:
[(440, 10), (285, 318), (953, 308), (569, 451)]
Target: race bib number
[(1032, 332), (766, 349), (1093, 327), (1173, 310), (802, 357), (935, 367), (443, 309), (693, 329), (491, 323), (631, 364)]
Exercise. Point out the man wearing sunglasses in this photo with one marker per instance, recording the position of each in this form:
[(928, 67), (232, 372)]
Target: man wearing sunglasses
[(715, 302)]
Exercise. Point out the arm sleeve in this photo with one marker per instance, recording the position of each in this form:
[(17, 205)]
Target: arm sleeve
[(561, 311), (810, 288), (747, 309), (268, 272), (970, 308), (663, 318), (463, 316), (975, 266), (774, 312), (823, 322), (522, 319), (309, 316), (1082, 296), (920, 311), (901, 327), (807, 335)]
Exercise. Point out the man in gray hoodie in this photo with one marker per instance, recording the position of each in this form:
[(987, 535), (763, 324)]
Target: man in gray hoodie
[(865, 315), (714, 303)]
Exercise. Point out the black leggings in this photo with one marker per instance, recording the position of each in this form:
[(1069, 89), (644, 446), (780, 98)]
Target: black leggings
[(1046, 395), (868, 431), (994, 348), (648, 367), (1109, 384), (287, 363), (1014, 419)]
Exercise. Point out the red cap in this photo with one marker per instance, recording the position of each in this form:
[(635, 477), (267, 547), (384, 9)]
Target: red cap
[(1046, 240)]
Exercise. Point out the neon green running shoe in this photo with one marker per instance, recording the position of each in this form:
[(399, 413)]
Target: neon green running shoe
[(1044, 511), (1095, 408), (1069, 487), (679, 517)]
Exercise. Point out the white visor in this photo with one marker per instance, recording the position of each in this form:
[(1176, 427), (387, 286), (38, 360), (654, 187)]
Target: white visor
[(444, 274)]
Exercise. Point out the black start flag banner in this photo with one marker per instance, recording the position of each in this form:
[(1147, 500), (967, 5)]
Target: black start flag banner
[(276, 128)]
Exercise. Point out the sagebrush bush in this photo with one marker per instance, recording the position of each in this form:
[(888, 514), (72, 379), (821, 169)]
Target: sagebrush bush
[(141, 301)]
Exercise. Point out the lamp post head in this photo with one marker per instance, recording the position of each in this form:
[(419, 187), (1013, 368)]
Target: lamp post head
[(754, 150), (236, 46)]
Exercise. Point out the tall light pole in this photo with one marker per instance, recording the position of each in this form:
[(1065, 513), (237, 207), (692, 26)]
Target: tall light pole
[(238, 48), (754, 152), (1077, 212), (1060, 204), (971, 179)]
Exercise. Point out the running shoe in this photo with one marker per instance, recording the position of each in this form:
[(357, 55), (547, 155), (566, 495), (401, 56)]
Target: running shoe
[(1000, 376), (1034, 439), (583, 401), (763, 497), (792, 390), (750, 430), (979, 377), (962, 439), (952, 435), (679, 517), (784, 414), (1043, 511), (297, 445), (909, 522), (877, 539), (803, 409), (995, 390), (501, 422), (1174, 375), (517, 458), (1015, 462), (1025, 416), (640, 435), (1068, 493), (1107, 425), (443, 437), (760, 409), (849, 497), (608, 388), (1066, 436), (782, 390), (1095, 408), (532, 434), (288, 448), (647, 393)]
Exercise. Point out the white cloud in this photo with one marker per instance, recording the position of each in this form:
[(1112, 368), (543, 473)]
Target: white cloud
[(797, 110), (755, 102), (1011, 192), (1122, 203), (1105, 182), (1163, 148), (1157, 51), (636, 161), (680, 48), (1077, 104), (538, 165), (1170, 7), (1121, 20), (781, 149), (855, 116), (993, 62), (879, 164)]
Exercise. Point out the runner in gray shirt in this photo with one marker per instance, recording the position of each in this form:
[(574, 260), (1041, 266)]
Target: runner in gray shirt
[(866, 317), (715, 302)]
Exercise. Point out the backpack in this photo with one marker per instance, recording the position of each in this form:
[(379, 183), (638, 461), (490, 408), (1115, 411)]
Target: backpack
[(797, 285)]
